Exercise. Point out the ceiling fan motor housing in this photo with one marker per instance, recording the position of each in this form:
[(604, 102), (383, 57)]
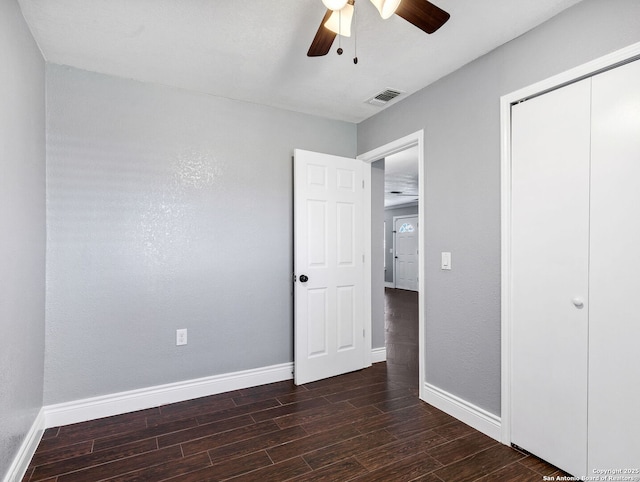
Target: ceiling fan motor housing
[(420, 13)]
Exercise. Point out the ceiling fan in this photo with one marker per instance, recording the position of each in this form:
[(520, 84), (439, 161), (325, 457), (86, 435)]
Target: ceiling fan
[(401, 193), (421, 13)]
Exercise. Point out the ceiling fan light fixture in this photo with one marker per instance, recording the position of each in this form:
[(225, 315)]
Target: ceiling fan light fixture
[(334, 4), (386, 7), (340, 21)]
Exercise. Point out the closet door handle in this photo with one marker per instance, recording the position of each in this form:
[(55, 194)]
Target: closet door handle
[(578, 303)]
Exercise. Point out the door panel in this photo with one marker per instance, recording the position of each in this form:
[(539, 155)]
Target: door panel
[(550, 254), (317, 237), (614, 320), (328, 249), (317, 321), (345, 235), (346, 317)]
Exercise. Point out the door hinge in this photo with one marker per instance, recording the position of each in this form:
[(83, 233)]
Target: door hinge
[(363, 258), (363, 333), (363, 184)]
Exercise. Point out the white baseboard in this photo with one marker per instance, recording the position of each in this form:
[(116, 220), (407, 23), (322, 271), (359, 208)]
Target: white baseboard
[(130, 401), (140, 399), (466, 412), (378, 355), (389, 284), (21, 461)]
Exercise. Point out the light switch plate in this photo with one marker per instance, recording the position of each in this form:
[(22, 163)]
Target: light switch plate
[(446, 261)]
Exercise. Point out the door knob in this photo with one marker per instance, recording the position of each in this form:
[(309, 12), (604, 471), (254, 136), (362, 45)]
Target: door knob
[(577, 302), (304, 278)]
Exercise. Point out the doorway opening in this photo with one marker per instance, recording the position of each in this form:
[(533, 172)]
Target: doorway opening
[(400, 311)]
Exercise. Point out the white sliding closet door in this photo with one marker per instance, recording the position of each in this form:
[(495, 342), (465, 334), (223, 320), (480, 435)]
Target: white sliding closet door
[(614, 312), (550, 253)]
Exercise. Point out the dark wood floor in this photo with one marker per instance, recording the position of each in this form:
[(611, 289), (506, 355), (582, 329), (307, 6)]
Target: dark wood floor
[(401, 334), (363, 426)]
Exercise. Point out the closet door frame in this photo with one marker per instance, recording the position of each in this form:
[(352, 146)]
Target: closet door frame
[(601, 64)]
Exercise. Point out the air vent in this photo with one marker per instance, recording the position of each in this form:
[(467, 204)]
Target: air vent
[(381, 98)]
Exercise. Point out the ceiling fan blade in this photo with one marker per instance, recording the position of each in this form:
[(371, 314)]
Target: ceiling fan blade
[(323, 40), (423, 14)]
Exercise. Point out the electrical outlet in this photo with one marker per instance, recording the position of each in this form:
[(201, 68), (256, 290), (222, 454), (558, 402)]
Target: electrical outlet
[(181, 337)]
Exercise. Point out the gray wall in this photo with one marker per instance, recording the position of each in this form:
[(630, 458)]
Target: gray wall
[(167, 209), (377, 248), (389, 213), (22, 231), (460, 117)]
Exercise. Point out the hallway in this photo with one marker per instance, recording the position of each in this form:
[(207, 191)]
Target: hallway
[(401, 334)]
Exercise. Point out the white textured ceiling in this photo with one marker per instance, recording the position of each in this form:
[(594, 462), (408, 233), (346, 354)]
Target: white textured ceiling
[(255, 50), (401, 178)]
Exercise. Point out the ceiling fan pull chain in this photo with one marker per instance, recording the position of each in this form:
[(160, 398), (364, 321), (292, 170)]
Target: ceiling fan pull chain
[(339, 32), (355, 36)]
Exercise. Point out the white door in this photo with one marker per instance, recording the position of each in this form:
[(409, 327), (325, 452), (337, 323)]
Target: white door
[(329, 265), (406, 252), (614, 318), (549, 267)]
